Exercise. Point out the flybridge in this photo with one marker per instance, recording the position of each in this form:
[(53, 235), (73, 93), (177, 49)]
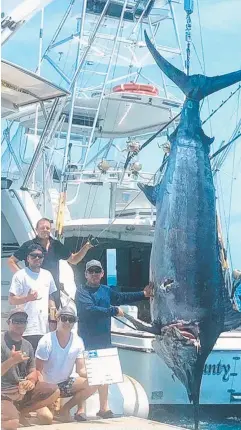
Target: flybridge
[(134, 9)]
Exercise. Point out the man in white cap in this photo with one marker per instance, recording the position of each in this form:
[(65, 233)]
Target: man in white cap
[(56, 355), (96, 304)]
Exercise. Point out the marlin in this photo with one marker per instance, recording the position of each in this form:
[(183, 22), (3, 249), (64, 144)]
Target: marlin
[(190, 307)]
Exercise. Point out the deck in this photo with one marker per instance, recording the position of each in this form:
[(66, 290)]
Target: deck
[(123, 423)]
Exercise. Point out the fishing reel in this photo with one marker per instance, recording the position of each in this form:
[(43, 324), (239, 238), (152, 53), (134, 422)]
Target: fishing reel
[(92, 240)]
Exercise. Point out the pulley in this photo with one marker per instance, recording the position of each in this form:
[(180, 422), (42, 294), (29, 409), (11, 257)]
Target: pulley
[(188, 6), (136, 167), (133, 146), (103, 166)]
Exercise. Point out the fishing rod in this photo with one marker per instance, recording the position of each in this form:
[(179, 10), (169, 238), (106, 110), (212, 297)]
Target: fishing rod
[(131, 155), (221, 105), (224, 146)]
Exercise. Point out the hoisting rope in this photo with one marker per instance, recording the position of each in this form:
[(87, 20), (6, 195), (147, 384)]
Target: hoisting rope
[(188, 7)]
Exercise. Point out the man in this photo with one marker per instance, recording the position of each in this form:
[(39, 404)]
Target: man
[(19, 376), (96, 304), (56, 355), (53, 252), (236, 293), (32, 288)]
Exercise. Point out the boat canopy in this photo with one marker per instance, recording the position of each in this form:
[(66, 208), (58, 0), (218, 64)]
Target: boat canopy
[(20, 87)]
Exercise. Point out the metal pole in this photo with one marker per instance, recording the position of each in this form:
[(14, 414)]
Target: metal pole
[(176, 31), (38, 150), (44, 182), (80, 27), (104, 84), (162, 74), (75, 77), (6, 134), (38, 73), (113, 187), (140, 18), (58, 29)]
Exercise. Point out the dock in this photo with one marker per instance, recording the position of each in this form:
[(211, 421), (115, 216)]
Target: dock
[(120, 423)]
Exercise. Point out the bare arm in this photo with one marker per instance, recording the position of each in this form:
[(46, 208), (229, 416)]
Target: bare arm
[(32, 376), (76, 258), (13, 264), (80, 367), (51, 302), (39, 365), (20, 300), (15, 358)]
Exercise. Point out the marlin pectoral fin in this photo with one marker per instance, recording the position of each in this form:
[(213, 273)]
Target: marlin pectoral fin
[(141, 325), (150, 192)]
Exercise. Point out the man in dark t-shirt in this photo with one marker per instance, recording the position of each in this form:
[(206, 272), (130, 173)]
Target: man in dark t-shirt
[(21, 391), (54, 251)]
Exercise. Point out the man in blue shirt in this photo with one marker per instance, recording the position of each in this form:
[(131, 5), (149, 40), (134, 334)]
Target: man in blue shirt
[(96, 304)]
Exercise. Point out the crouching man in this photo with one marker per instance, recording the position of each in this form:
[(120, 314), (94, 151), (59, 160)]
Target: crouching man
[(56, 355), (21, 391)]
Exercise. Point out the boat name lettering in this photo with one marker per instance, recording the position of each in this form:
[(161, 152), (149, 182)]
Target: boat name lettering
[(218, 369)]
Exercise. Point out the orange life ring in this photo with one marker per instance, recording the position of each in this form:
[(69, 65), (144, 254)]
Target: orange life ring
[(136, 88)]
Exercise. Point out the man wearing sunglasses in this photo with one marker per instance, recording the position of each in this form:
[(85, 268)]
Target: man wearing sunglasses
[(21, 392), (96, 304), (56, 355), (54, 251), (32, 289)]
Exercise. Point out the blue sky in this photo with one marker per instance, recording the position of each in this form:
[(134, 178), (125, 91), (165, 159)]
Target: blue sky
[(221, 32)]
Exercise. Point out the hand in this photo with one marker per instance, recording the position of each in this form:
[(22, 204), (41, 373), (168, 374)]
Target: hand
[(120, 312), (148, 290), (18, 356), (28, 385), (88, 245), (32, 296), (92, 241)]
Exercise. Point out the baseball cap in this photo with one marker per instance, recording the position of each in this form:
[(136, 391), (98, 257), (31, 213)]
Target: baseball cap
[(67, 310), (17, 311), (93, 263), (34, 247)]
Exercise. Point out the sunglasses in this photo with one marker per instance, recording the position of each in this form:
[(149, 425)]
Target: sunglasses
[(94, 270), (39, 256), (22, 321), (65, 318)]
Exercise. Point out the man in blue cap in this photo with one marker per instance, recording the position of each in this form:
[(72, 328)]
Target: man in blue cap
[(96, 304)]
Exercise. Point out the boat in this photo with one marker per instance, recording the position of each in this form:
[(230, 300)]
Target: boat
[(79, 138)]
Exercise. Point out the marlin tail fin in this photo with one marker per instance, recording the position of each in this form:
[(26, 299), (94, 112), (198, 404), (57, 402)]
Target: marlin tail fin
[(196, 87)]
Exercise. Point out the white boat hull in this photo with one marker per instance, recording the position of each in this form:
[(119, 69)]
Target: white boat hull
[(221, 383)]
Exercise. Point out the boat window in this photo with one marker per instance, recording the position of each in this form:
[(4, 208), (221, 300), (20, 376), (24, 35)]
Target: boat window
[(111, 267)]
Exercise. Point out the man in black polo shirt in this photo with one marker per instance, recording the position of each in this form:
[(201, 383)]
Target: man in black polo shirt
[(54, 251)]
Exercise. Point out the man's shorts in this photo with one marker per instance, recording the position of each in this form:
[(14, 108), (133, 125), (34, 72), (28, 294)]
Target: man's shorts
[(65, 387), (41, 392)]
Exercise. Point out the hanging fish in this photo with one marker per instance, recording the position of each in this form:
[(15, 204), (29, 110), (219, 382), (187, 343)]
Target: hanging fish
[(190, 307)]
